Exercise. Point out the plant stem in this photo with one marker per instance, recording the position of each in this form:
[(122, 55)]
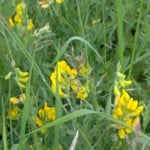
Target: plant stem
[(120, 33), (135, 41)]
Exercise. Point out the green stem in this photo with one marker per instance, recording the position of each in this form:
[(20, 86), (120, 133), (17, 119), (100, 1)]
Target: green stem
[(135, 41), (58, 110), (120, 33), (25, 112), (104, 32), (4, 126), (80, 19)]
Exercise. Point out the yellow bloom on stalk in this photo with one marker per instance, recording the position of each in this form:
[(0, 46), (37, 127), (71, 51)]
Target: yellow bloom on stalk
[(121, 133), (20, 8), (82, 93), (30, 25), (15, 100), (67, 79), (45, 114), (59, 1), (128, 111), (116, 91), (63, 67), (120, 84), (83, 70), (18, 19), (14, 113), (80, 90), (125, 83), (11, 23), (21, 19), (62, 72)]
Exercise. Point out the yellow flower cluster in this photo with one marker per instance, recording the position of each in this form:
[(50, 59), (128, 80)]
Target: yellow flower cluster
[(126, 108), (120, 83), (21, 78), (128, 111), (15, 112), (15, 100), (67, 78), (21, 18), (45, 115)]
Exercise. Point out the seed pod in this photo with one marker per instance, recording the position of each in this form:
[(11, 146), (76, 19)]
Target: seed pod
[(21, 85), (21, 73), (8, 76), (24, 80)]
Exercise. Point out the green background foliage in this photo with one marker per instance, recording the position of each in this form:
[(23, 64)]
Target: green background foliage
[(95, 32)]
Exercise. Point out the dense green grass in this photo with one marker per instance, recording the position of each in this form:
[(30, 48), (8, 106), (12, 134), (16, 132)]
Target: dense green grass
[(97, 33)]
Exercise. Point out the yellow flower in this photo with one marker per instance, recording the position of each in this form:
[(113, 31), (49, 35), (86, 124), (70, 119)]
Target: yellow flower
[(138, 111), (30, 25), (72, 72), (15, 100), (121, 133), (125, 95), (59, 1), (18, 19), (60, 90), (132, 105), (125, 83), (75, 85), (60, 80), (67, 79), (129, 123), (82, 93), (126, 108), (116, 91), (120, 83), (45, 115), (128, 111), (21, 19), (83, 70), (11, 23), (121, 101), (80, 90), (135, 121), (39, 122), (63, 67), (20, 8), (119, 111), (61, 72), (14, 113)]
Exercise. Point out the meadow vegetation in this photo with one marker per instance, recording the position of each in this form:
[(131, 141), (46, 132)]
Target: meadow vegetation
[(74, 74)]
